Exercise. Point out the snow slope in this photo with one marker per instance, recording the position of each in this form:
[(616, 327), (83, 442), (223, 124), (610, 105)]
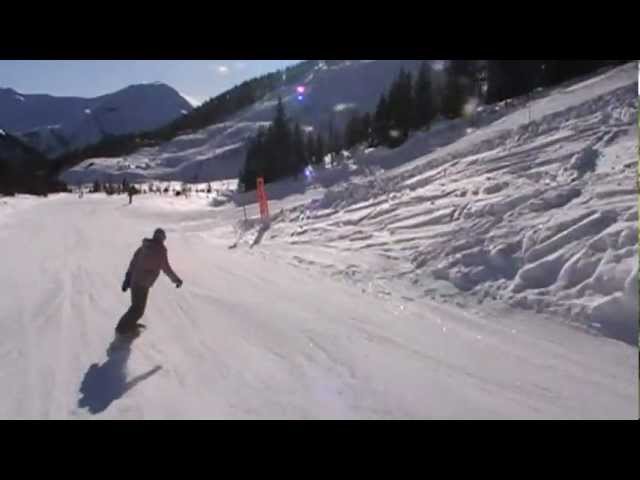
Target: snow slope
[(540, 215), (54, 125), (250, 336), (218, 152)]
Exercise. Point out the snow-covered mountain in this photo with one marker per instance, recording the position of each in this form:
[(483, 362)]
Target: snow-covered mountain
[(331, 90), (54, 125)]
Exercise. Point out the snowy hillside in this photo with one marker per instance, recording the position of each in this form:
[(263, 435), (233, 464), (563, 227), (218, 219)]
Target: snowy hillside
[(335, 90), (218, 152), (251, 336), (53, 125), (540, 215)]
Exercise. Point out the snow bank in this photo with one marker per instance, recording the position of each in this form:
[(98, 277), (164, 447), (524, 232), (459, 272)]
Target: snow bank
[(539, 215)]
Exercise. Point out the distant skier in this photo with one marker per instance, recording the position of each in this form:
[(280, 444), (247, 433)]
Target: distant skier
[(131, 192), (145, 266)]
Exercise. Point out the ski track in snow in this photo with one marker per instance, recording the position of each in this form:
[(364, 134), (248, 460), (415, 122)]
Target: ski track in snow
[(250, 336)]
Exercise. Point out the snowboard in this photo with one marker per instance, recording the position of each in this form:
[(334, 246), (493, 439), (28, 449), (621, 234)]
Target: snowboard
[(124, 341)]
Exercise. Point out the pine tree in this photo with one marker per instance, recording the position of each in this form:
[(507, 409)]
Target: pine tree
[(406, 101), (331, 134), (512, 78), (280, 152), (260, 160), (424, 110), (320, 150), (310, 148), (556, 71), (365, 127), (454, 97), (337, 142), (400, 103), (275, 152), (394, 101), (381, 121), (298, 149), (398, 111), (468, 74), (249, 172), (353, 131)]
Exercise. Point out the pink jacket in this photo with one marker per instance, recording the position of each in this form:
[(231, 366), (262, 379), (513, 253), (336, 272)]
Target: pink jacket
[(147, 262)]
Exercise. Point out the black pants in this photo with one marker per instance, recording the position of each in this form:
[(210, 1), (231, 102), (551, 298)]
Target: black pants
[(136, 310)]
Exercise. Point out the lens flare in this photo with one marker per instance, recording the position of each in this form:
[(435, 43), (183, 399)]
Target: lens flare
[(308, 172), (470, 107)]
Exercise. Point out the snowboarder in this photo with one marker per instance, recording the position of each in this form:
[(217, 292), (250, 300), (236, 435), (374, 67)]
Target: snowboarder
[(143, 271)]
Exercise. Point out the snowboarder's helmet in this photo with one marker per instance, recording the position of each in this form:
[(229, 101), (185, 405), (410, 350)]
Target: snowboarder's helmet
[(159, 235)]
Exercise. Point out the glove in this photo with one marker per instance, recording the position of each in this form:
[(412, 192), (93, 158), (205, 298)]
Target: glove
[(178, 283), (125, 284)]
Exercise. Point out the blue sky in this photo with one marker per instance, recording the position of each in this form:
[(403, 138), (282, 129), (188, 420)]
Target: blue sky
[(195, 79)]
